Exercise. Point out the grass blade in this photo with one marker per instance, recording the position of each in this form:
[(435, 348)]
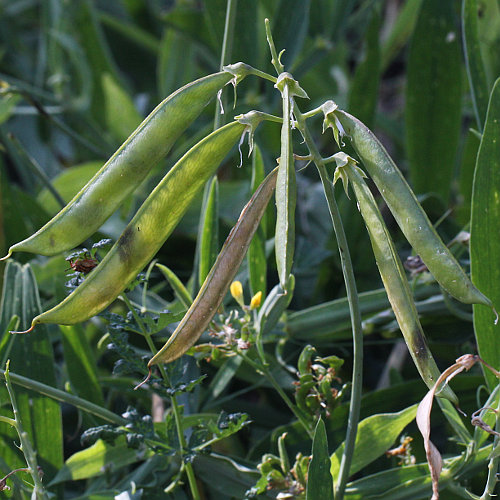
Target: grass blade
[(433, 118), (257, 262), (485, 222), (319, 479), (473, 59)]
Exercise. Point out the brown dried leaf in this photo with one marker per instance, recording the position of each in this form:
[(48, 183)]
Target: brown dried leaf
[(477, 421), (424, 418)]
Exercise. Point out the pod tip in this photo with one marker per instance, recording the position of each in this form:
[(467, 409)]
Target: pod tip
[(144, 381), (7, 256), (496, 315), (29, 330)]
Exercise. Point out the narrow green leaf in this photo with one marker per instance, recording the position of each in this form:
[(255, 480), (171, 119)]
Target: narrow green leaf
[(179, 289), (414, 480), (32, 356), (485, 225), (81, 364), (375, 436), (209, 229), (290, 27), (97, 54), (225, 475), (68, 183), (248, 44), (331, 317), (466, 177), (98, 459), (7, 105), (175, 61), (223, 376), (433, 98), (256, 257), (121, 116), (274, 306), (476, 72), (363, 92), (401, 31), (319, 479)]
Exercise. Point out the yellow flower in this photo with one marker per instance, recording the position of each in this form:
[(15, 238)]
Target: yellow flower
[(256, 300), (237, 292)]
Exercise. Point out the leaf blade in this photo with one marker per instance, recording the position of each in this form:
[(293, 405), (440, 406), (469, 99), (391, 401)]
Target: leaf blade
[(485, 222), (319, 481)]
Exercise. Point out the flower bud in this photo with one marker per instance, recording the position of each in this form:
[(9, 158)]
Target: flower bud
[(256, 300), (237, 292)]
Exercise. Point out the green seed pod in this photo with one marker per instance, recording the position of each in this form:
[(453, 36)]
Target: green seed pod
[(147, 231), (220, 277), (286, 187), (405, 208), (304, 363), (393, 276), (125, 170)]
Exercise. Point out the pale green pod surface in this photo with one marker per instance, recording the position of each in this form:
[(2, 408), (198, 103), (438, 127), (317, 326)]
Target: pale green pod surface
[(408, 212), (215, 286), (286, 190), (125, 170), (147, 231), (395, 282)]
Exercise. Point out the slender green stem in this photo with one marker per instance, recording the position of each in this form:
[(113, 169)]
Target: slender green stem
[(312, 112), (56, 121), (175, 406), (65, 397), (264, 116), (352, 296), (146, 282), (493, 465), (26, 447), (275, 60), (35, 167), (262, 74), (265, 371), (227, 46), (7, 420)]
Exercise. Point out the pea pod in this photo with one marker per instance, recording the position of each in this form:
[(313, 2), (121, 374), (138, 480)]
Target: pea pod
[(286, 185), (405, 208), (125, 170), (147, 231), (393, 275), (217, 282)]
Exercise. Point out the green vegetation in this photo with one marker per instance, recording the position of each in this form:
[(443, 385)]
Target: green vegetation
[(191, 305)]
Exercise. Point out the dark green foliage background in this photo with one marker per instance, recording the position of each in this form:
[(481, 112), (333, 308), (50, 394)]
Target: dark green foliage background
[(82, 75)]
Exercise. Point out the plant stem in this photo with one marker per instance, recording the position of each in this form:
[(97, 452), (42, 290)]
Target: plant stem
[(275, 60), (35, 167), (265, 371), (493, 465), (7, 420), (175, 406), (28, 451), (227, 48), (352, 296), (65, 397)]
